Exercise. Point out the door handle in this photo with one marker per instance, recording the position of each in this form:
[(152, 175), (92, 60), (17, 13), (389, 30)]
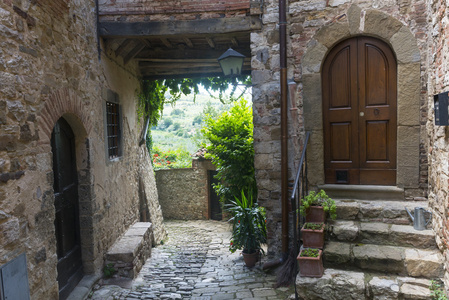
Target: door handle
[(361, 113)]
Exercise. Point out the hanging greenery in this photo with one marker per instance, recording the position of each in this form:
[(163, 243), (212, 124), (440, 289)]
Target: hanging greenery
[(153, 92)]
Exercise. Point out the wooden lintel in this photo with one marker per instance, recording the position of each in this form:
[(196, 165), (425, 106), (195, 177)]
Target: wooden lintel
[(190, 27), (211, 43)]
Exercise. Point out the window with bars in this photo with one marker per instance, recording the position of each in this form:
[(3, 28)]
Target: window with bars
[(113, 129)]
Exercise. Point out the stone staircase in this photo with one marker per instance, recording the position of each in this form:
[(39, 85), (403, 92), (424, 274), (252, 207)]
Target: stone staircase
[(372, 251)]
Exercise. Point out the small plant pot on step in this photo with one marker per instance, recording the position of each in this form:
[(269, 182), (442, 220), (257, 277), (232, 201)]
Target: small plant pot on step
[(311, 266), (313, 235), (315, 214)]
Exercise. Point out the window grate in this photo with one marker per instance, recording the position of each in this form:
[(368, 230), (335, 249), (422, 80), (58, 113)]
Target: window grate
[(113, 129)]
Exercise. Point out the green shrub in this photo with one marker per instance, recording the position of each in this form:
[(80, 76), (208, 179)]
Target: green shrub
[(230, 138)]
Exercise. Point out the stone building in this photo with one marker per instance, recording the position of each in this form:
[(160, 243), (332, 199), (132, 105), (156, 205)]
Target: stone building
[(69, 135), (82, 61)]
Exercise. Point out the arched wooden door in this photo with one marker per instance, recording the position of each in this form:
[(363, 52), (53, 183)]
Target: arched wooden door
[(359, 113), (65, 186)]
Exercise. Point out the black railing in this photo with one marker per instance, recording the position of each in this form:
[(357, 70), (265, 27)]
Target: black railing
[(300, 189)]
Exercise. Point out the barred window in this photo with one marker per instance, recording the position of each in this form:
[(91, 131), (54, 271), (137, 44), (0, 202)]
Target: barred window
[(113, 129)]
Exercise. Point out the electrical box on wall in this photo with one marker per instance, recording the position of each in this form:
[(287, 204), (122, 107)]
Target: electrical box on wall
[(440, 102)]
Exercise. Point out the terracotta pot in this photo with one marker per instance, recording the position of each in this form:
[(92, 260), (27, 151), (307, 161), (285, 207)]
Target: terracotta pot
[(315, 214), (312, 238), (251, 259), (311, 266)]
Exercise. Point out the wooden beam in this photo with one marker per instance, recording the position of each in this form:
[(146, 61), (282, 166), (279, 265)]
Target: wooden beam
[(189, 75), (121, 49), (190, 27), (210, 42), (136, 50), (188, 53), (188, 42), (167, 43), (146, 42), (234, 42)]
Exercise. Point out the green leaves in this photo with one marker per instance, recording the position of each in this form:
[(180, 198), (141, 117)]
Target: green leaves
[(248, 224), (231, 150)]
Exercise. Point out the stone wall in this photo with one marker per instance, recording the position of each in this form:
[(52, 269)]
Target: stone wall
[(184, 193), (438, 82), (50, 68), (314, 27)]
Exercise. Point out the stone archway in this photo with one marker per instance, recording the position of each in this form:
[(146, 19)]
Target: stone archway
[(65, 104), (403, 43)]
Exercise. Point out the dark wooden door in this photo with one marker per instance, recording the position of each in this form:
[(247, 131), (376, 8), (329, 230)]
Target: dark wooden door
[(359, 113), (214, 199), (66, 206)]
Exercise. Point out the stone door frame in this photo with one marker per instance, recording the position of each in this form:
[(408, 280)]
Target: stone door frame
[(66, 104), (379, 25)]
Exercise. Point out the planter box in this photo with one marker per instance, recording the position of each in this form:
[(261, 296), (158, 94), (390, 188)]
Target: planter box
[(315, 214), (311, 266), (313, 238)]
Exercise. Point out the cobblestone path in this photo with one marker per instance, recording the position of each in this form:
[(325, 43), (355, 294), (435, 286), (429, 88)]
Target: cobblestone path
[(195, 264)]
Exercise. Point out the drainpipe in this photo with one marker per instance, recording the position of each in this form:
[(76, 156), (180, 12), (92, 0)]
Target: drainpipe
[(284, 128)]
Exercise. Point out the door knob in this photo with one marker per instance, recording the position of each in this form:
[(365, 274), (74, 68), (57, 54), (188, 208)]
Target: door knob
[(361, 113)]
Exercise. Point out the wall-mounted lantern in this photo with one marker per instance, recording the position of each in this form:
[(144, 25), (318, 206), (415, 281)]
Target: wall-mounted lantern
[(440, 102), (231, 62)]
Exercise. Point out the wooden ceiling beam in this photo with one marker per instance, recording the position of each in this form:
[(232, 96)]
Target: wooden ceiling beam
[(136, 50), (188, 53), (234, 42), (189, 27), (188, 42), (210, 42), (121, 48), (167, 43), (189, 75)]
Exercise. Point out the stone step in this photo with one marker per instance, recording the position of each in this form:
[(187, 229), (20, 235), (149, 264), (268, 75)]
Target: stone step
[(340, 284), (396, 260), (392, 212), (381, 234), (363, 192)]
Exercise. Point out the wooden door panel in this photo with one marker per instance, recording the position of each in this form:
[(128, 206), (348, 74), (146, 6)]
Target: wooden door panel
[(377, 141), (340, 74), (66, 207), (341, 136), (359, 113), (376, 77)]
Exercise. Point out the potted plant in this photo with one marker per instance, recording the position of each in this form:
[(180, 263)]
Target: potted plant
[(313, 235), (249, 230), (310, 262), (315, 206)]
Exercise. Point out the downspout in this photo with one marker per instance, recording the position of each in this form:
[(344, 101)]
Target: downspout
[(284, 128)]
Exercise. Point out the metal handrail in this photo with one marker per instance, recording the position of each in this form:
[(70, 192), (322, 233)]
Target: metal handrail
[(302, 184), (301, 162)]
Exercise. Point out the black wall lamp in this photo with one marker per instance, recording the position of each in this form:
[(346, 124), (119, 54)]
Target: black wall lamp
[(231, 62)]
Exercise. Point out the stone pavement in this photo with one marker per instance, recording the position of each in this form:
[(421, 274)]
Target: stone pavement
[(195, 263)]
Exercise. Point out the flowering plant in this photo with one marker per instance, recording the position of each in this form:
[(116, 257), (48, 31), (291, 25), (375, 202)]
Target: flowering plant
[(249, 229), (170, 159)]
